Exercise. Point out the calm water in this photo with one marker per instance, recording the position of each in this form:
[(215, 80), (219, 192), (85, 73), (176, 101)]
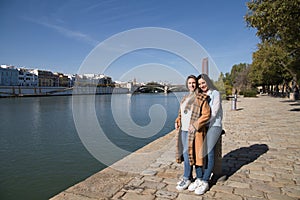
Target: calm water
[(41, 151)]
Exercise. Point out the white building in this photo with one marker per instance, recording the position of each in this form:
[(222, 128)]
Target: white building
[(8, 76), (28, 77), (72, 78), (95, 79)]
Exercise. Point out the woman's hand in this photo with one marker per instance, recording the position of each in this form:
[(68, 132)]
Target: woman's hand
[(176, 126), (192, 129)]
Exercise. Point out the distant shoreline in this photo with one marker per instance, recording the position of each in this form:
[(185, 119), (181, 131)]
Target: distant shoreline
[(30, 91)]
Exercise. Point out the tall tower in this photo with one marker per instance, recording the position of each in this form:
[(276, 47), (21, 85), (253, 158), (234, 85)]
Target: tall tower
[(134, 81), (205, 66)]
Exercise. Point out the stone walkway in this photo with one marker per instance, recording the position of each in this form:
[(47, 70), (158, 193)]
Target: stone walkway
[(261, 158)]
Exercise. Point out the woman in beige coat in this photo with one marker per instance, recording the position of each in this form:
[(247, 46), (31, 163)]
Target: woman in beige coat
[(194, 113)]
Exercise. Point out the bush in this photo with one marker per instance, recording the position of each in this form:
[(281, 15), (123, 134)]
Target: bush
[(224, 96), (228, 91), (249, 93)]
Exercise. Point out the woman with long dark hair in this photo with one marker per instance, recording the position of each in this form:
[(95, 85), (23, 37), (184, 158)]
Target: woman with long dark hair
[(193, 115), (206, 86)]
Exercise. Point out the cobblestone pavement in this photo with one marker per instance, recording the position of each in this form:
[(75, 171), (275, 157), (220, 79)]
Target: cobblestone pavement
[(261, 159)]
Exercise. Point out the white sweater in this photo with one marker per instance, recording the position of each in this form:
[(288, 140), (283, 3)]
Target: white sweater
[(185, 117)]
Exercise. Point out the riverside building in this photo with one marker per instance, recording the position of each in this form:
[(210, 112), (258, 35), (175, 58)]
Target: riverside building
[(8, 76)]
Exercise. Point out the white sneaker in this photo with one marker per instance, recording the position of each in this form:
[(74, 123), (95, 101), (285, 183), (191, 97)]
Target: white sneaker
[(202, 188), (179, 181), (195, 184), (183, 185)]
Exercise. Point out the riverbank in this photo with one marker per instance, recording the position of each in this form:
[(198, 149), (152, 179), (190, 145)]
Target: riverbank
[(28, 91), (261, 159)]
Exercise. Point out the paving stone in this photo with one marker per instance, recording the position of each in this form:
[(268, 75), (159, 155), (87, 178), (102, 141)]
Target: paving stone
[(237, 184), (239, 177), (149, 191), (152, 178), (226, 196), (165, 162), (279, 170), (153, 185), (135, 196), (170, 181), (223, 188), (280, 165), (105, 184), (189, 197), (266, 188), (149, 172), (168, 174), (119, 195), (285, 175), (132, 189), (155, 165), (135, 182), (263, 173), (158, 198), (209, 194), (296, 166), (274, 196), (248, 193), (297, 180), (171, 188), (284, 181), (71, 196), (253, 198), (261, 177), (277, 184), (292, 191), (166, 194)]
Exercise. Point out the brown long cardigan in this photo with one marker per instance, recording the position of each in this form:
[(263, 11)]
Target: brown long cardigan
[(199, 118)]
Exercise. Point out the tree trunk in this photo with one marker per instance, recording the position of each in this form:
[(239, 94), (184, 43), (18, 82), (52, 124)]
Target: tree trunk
[(294, 95), (283, 89)]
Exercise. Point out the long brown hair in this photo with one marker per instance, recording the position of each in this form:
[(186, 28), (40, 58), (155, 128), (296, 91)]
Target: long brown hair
[(208, 81)]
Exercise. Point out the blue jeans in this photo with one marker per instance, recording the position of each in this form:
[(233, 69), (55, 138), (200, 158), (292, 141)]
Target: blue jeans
[(187, 173), (199, 173), (211, 139)]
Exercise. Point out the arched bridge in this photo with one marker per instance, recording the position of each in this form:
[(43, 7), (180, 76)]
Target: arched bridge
[(155, 88)]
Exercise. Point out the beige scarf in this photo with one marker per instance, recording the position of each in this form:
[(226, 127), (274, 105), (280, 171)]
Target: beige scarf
[(191, 100)]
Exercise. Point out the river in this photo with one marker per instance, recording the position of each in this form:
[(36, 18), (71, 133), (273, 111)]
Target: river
[(42, 150)]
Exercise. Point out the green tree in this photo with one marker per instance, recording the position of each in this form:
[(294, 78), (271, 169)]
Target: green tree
[(227, 83), (220, 85), (278, 26), (268, 65), (239, 77)]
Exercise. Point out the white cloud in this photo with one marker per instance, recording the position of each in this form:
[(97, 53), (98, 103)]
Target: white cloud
[(66, 32)]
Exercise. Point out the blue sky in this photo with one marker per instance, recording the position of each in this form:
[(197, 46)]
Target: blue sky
[(59, 35)]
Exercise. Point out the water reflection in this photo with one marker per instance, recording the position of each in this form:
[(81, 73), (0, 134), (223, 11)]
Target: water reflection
[(40, 145)]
